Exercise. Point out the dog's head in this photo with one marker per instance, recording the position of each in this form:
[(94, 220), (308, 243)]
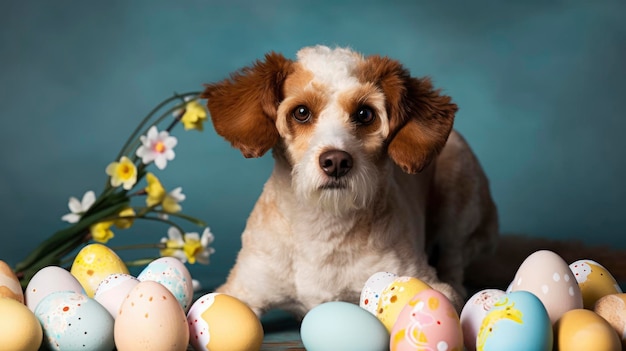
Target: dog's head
[(336, 116)]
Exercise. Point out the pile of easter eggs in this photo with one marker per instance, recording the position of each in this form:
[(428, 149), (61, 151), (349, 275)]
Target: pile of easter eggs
[(99, 306), (549, 305)]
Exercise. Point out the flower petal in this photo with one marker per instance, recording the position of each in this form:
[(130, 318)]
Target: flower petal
[(88, 200), (75, 205), (71, 218)]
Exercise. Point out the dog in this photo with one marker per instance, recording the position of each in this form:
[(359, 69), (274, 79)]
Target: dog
[(369, 176)]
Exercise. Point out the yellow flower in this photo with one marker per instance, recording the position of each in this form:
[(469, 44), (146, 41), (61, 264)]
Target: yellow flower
[(101, 232), (194, 116), (189, 247), (156, 192), (127, 221), (123, 173), (172, 199)]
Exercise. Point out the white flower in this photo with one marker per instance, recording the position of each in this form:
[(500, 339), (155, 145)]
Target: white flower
[(78, 208), (171, 202), (190, 247), (157, 146)]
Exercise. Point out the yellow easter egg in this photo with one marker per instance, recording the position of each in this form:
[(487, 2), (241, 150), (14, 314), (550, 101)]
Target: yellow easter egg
[(584, 330), (594, 281), (9, 284), (19, 328), (93, 264), (613, 309), (395, 296)]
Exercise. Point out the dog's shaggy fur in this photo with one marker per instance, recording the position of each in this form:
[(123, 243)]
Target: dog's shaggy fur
[(369, 176)]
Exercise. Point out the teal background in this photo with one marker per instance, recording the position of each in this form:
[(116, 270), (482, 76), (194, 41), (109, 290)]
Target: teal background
[(540, 87)]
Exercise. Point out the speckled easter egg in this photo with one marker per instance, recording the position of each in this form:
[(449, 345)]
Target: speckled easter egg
[(613, 309), (48, 280), (373, 288), (584, 330), (594, 281), (427, 322), (151, 319), (73, 322), (394, 296), (172, 274), (518, 321), (19, 328), (9, 284), (93, 263), (473, 313), (548, 276)]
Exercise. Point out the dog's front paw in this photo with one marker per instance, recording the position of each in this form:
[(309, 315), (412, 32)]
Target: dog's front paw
[(242, 296)]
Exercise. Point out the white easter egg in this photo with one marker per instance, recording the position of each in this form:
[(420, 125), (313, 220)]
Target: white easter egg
[(172, 274), (48, 280), (373, 289), (113, 290)]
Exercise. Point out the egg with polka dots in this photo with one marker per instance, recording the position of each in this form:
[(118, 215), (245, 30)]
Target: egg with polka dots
[(73, 321), (548, 276)]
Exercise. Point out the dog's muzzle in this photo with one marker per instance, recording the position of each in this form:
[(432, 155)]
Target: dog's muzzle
[(335, 163)]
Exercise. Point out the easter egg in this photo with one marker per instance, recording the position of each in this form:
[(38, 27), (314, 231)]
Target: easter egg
[(474, 312), (427, 322), (48, 280), (73, 321), (581, 329), (594, 281), (547, 275), (394, 296), (373, 288), (113, 290), (613, 309), (19, 328), (220, 322), (93, 263), (151, 319), (517, 321), (9, 284), (342, 326), (172, 274)]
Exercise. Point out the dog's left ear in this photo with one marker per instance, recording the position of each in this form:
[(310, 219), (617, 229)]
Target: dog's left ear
[(243, 108), (420, 118)]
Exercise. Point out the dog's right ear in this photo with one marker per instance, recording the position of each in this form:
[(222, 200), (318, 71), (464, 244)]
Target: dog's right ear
[(243, 107)]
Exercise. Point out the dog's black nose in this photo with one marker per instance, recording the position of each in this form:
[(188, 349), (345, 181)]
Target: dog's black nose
[(336, 163)]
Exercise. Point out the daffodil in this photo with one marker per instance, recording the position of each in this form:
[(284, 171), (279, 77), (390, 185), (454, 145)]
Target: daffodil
[(171, 202), (78, 208), (157, 146), (156, 191), (126, 218), (101, 232), (194, 116), (190, 247), (122, 173)]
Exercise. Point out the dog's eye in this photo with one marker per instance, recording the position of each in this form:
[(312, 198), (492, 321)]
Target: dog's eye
[(364, 115), (301, 114)]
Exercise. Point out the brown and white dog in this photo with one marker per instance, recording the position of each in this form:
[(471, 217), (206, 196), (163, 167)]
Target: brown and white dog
[(369, 176)]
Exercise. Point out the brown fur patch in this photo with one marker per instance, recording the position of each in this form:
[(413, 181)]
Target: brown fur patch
[(364, 95)]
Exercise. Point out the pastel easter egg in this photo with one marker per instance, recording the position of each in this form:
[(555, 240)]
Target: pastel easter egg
[(427, 322), (613, 309), (518, 321), (548, 276), (219, 322), (473, 313), (594, 281), (394, 296), (172, 274), (48, 280), (73, 321), (584, 330), (93, 263), (112, 291), (342, 326), (373, 289), (9, 284), (19, 328)]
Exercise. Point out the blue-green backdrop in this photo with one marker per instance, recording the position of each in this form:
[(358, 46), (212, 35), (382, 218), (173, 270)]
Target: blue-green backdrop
[(540, 87)]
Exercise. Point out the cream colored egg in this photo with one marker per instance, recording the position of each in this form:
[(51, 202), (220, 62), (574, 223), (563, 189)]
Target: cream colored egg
[(9, 284), (548, 276), (93, 264), (594, 281), (584, 330), (613, 309), (113, 290), (395, 296), (151, 319), (47, 281), (19, 328), (220, 322)]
